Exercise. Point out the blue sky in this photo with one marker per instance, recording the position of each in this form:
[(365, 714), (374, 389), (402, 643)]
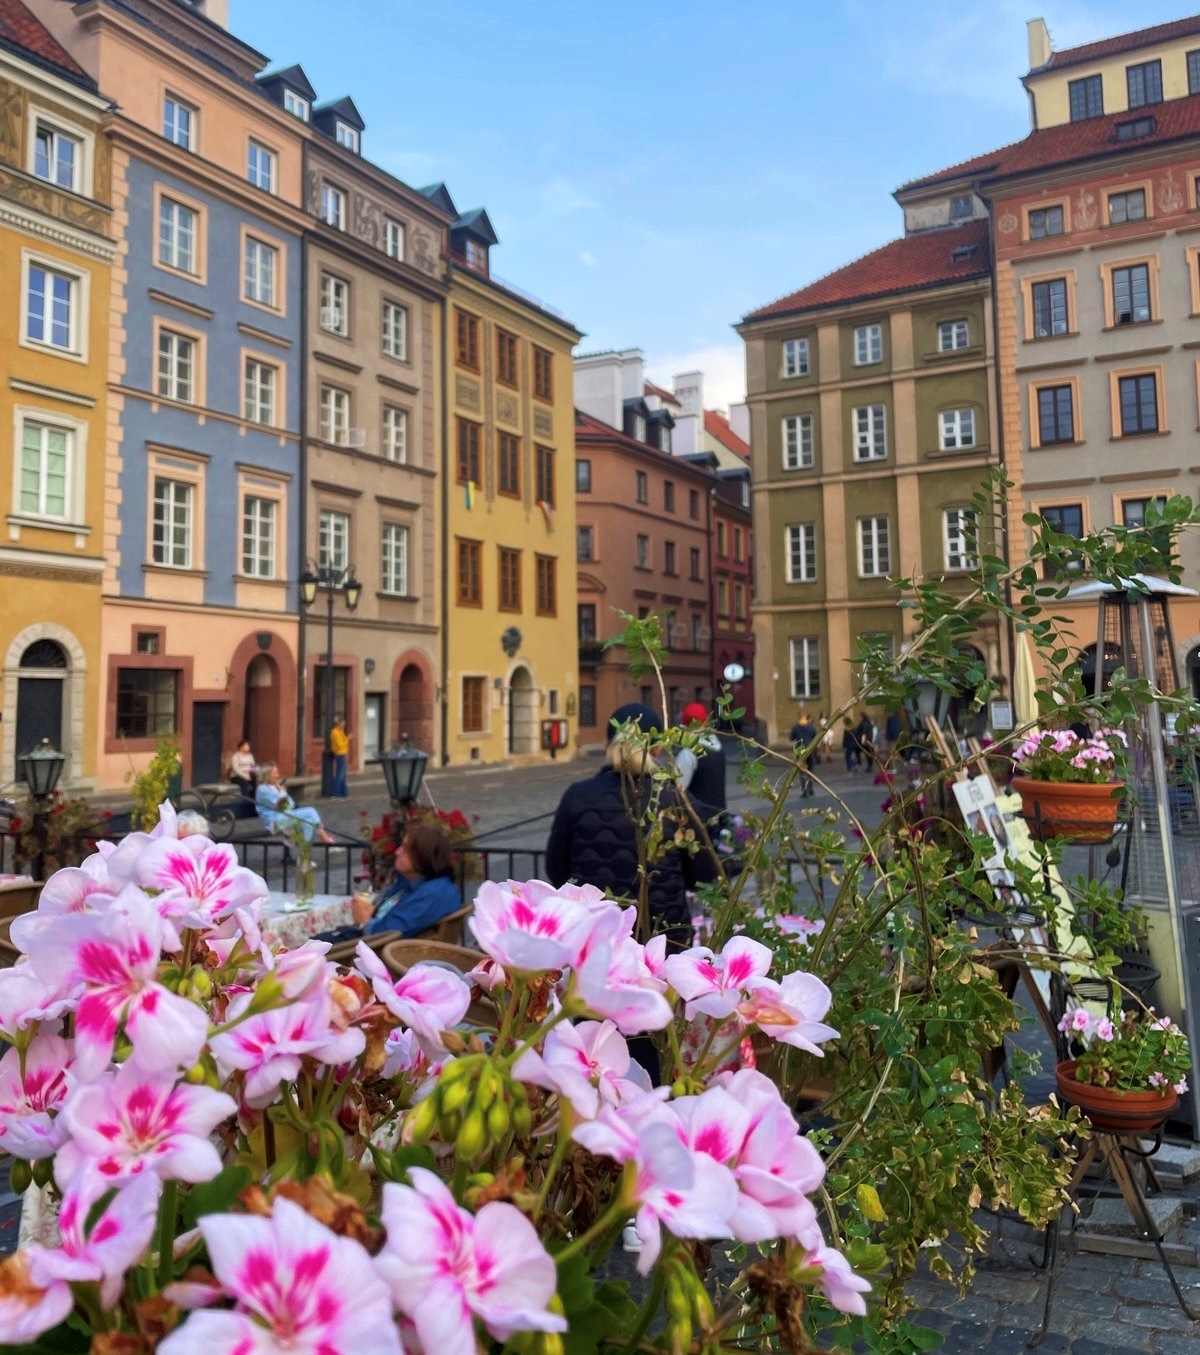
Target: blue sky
[(654, 169)]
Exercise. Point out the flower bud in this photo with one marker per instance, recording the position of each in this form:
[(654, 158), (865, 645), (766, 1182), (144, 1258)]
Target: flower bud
[(422, 1121), (454, 1096), (472, 1138), (20, 1176), (498, 1121)]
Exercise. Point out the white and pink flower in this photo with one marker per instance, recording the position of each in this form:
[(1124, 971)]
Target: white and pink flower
[(530, 927), (32, 1092), (427, 999), (196, 881), (790, 1011), (711, 984), (588, 1064)]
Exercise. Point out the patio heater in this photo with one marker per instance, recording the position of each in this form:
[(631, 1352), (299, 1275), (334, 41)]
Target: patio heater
[(1162, 867), (40, 768)]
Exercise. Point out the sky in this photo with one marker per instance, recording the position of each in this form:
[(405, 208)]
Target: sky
[(654, 168)]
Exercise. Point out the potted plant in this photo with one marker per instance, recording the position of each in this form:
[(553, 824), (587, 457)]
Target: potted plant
[(1069, 786), (1128, 1076)]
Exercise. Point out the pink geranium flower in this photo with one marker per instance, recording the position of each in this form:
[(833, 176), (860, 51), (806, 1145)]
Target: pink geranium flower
[(530, 927), (30, 1100), (714, 984), (27, 998), (197, 881), (841, 1286), (131, 1121), (445, 1267), (587, 1064), (27, 1310), (299, 1288), (427, 999), (790, 1011), (78, 889)]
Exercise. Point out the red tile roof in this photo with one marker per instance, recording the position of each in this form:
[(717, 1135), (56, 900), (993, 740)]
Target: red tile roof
[(669, 396), (1126, 42), (906, 265), (717, 426), (18, 28), (590, 429)]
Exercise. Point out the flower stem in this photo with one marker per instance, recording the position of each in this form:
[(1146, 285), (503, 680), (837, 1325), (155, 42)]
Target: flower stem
[(646, 1316), (168, 1209)]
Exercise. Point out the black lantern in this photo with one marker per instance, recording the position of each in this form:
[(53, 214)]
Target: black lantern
[(403, 770), (927, 699), (309, 583), (41, 769)]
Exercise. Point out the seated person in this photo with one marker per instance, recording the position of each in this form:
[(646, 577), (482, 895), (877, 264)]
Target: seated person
[(423, 892), (279, 813), (242, 769)]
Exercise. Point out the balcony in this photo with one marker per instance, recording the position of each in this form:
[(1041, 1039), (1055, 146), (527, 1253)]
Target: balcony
[(591, 652)]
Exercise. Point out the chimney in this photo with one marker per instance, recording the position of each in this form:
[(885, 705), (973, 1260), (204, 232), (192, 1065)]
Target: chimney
[(689, 391), (1039, 44), (633, 373), (739, 420), (598, 387)]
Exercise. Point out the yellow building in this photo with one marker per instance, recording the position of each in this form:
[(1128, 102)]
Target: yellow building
[(509, 629), (56, 255)]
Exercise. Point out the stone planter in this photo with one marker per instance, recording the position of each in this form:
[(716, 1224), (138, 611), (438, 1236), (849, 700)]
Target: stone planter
[(1075, 811), (1115, 1112)]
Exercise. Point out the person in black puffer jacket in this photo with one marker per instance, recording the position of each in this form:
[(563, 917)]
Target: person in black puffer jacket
[(594, 839)]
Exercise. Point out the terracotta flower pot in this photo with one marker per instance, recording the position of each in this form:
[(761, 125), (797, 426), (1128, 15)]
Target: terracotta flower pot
[(1076, 811), (1116, 1112)]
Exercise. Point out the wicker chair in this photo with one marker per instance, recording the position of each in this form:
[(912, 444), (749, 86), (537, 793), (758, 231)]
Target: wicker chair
[(449, 929), (9, 953), (343, 952), (19, 898)]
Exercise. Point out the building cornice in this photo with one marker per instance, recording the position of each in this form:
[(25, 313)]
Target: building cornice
[(47, 228)]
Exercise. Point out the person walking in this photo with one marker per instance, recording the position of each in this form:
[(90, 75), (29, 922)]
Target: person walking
[(804, 735), (339, 746), (865, 733), (851, 750)]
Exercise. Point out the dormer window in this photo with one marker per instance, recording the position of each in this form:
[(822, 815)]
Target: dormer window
[(639, 427), (664, 438), (476, 256), (1136, 128), (347, 136), (961, 208), (296, 105)]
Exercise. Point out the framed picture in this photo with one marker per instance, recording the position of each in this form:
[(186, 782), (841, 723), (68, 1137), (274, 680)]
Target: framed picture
[(1001, 715)]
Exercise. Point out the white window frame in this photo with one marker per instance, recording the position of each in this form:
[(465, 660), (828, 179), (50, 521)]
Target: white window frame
[(874, 546), (333, 540), (261, 163), (800, 552), (795, 358), (335, 416), (395, 331), (172, 214), (394, 238), (259, 515), (181, 121), (870, 432), (176, 361), (333, 206), (957, 552), (395, 434), (167, 552), (804, 661), (956, 429), (29, 421), (260, 272), (335, 305), (797, 434), (953, 335), (260, 391), (868, 345), (77, 307), (393, 559), (346, 136), (297, 105), (40, 124)]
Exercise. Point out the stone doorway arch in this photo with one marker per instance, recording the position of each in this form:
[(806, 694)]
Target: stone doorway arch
[(522, 712), (39, 658)]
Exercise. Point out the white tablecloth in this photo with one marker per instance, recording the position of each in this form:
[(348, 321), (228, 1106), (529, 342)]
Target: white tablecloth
[(284, 924)]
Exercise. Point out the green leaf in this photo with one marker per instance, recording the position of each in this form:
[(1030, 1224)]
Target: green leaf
[(215, 1196), (405, 1158)]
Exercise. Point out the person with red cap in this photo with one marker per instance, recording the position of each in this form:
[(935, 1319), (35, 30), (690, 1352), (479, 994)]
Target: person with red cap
[(702, 770)]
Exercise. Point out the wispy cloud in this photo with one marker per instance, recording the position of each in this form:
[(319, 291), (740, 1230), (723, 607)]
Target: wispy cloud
[(561, 196), (723, 365), (587, 258)]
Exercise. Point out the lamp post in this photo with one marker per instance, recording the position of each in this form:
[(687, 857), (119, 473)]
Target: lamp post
[(403, 770), (41, 768), (332, 580)]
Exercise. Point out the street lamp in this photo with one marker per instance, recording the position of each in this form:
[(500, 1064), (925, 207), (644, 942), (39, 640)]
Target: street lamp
[(331, 579), (41, 768), (403, 770)]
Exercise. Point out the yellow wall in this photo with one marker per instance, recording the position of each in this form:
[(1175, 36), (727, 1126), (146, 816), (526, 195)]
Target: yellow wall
[(1052, 101), (549, 648)]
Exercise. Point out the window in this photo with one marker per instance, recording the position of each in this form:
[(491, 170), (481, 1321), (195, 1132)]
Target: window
[(962, 208), (739, 601), (45, 483), (347, 136), (797, 441), (177, 236), (669, 558), (1130, 206), (57, 157), (667, 631), (296, 105), (1144, 83), (722, 597), (335, 305), (260, 272), (260, 387), (1086, 98), (583, 476), (874, 553), (179, 122), (642, 555), (805, 656), (694, 564), (1056, 414), (258, 537), (1131, 294), (474, 690), (1136, 128), (147, 642), (468, 453), (795, 357), (395, 331), (52, 305), (587, 706), (1193, 69), (1138, 404), (1066, 519), (870, 433), (475, 255), (544, 468), (952, 335), (641, 487), (668, 496), (639, 428), (697, 631), (171, 524), (260, 166), (176, 366), (1045, 221), (394, 559), (1049, 308), (800, 544), (146, 702), (722, 540), (333, 207), (586, 613), (585, 543), (956, 429), (694, 504), (508, 463), (1133, 514), (395, 434), (335, 415), (333, 541), (393, 238), (868, 345), (470, 573), (959, 538), (543, 374), (546, 578), (466, 340), (739, 545), (506, 357)]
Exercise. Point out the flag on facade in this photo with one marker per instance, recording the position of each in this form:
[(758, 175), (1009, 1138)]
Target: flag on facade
[(470, 492)]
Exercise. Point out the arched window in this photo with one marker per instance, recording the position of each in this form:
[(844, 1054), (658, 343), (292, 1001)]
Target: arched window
[(44, 654)]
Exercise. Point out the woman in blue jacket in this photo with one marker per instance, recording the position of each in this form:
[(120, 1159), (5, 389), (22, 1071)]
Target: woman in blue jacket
[(423, 892)]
